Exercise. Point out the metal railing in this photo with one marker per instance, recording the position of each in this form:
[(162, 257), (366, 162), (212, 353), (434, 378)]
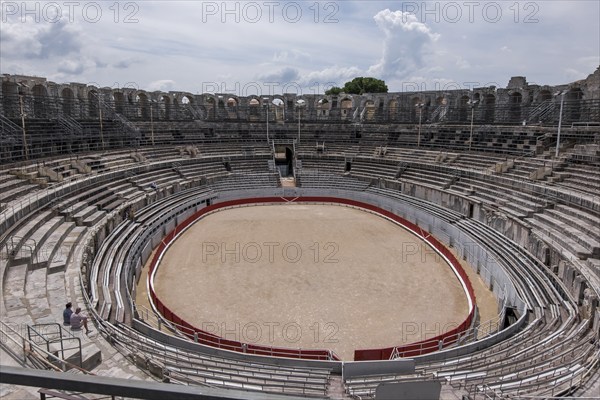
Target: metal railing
[(29, 352)]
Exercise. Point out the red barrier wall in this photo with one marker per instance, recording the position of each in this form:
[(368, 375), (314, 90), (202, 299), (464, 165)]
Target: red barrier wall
[(410, 350)]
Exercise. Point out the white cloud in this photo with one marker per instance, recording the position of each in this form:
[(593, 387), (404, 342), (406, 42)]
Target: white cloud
[(168, 47), (164, 85), (404, 46), (461, 63)]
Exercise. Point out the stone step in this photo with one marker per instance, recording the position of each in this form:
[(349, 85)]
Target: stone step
[(56, 292), (84, 213), (71, 210), (572, 233), (51, 245), (15, 241), (36, 297), (88, 358), (94, 218), (594, 264), (592, 220), (552, 237), (584, 226), (64, 254), (14, 290), (35, 241)]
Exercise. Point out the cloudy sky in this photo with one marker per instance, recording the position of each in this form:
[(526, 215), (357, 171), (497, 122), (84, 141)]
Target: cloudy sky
[(258, 47)]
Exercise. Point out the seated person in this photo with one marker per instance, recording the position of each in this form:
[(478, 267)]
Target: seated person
[(78, 320), (67, 314)]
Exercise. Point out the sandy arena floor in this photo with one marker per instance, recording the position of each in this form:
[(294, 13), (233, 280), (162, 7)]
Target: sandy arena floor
[(312, 277)]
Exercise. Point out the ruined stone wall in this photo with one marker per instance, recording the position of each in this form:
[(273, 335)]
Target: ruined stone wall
[(518, 103)]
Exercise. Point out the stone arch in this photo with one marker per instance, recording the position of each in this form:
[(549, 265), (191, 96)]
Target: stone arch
[(416, 112), (279, 108), (119, 98), (143, 106), (323, 106), (68, 101), (254, 108), (232, 102), (463, 108), (393, 108), (231, 106), (10, 98), (211, 105), (573, 104), (369, 110), (164, 107), (544, 95), (40, 101), (515, 99), (489, 108), (93, 104)]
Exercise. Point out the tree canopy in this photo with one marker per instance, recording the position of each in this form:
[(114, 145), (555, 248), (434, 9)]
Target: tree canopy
[(360, 85)]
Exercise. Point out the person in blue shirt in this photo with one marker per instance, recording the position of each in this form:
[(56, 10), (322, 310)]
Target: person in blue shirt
[(67, 314)]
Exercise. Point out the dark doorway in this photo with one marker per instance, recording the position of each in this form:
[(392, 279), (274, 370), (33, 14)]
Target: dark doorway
[(284, 161)]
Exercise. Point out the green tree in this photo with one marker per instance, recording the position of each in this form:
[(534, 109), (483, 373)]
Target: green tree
[(360, 85), (334, 91)]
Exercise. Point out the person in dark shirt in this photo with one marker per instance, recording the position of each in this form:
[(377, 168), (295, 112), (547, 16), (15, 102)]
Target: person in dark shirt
[(67, 314)]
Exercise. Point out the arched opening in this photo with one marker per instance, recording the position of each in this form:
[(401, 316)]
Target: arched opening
[(278, 108), (346, 106), (573, 104), (393, 108), (164, 107), (142, 106), (543, 96), (40, 106), (463, 109), (322, 108), (232, 107), (68, 101), (284, 160), (10, 99), (515, 101), (369, 110), (211, 104), (441, 108), (93, 104), (186, 107), (300, 105), (416, 110), (119, 102), (489, 108), (254, 109)]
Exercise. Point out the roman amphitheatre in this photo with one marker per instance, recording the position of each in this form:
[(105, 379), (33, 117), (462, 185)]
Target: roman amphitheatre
[(374, 246)]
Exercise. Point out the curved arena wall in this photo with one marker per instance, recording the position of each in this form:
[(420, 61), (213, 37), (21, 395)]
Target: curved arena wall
[(410, 350)]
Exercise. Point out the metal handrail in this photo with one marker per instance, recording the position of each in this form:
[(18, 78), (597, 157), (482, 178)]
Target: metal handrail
[(30, 347)]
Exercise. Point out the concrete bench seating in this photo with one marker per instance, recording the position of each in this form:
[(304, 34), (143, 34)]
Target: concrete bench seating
[(16, 190), (226, 372), (312, 179), (589, 241), (551, 351), (246, 181), (555, 238), (28, 248)]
